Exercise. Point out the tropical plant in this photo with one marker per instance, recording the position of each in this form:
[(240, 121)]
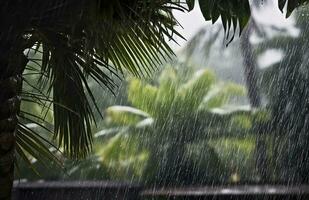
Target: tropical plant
[(172, 119), (207, 47), (88, 168), (73, 41)]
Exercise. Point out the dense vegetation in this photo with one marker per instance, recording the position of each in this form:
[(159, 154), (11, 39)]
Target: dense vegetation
[(183, 127)]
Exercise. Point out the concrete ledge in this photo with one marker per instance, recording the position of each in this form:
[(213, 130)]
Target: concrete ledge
[(84, 190), (246, 192), (95, 190)]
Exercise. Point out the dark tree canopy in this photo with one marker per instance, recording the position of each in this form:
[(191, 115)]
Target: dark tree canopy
[(235, 13)]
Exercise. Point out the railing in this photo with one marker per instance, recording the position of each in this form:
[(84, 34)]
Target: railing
[(89, 190)]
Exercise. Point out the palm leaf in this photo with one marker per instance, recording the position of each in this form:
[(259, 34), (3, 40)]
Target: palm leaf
[(236, 13), (31, 143), (291, 5), (72, 42)]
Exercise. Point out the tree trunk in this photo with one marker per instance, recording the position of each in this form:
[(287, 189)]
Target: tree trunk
[(12, 64), (251, 75), (250, 68)]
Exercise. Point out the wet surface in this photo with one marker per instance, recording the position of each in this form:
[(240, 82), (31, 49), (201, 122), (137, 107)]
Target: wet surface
[(233, 192), (117, 190), (77, 190)]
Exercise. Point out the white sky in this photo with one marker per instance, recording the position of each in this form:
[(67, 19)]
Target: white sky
[(268, 15), (191, 23)]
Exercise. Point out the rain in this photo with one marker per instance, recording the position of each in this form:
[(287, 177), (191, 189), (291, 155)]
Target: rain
[(226, 117)]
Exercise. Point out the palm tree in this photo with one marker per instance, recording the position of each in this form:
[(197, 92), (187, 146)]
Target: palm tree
[(74, 41)]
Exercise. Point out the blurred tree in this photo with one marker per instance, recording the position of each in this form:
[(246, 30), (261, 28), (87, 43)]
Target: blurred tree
[(208, 41), (286, 85), (251, 74), (171, 117)]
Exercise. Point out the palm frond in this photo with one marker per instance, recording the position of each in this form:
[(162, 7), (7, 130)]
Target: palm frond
[(29, 142), (291, 5), (236, 13), (98, 40), (233, 14)]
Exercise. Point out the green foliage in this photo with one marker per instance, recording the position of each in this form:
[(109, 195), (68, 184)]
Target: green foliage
[(98, 46), (291, 5), (220, 95), (235, 13), (169, 120), (90, 168), (34, 130), (70, 43), (212, 11), (238, 154), (123, 158)]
